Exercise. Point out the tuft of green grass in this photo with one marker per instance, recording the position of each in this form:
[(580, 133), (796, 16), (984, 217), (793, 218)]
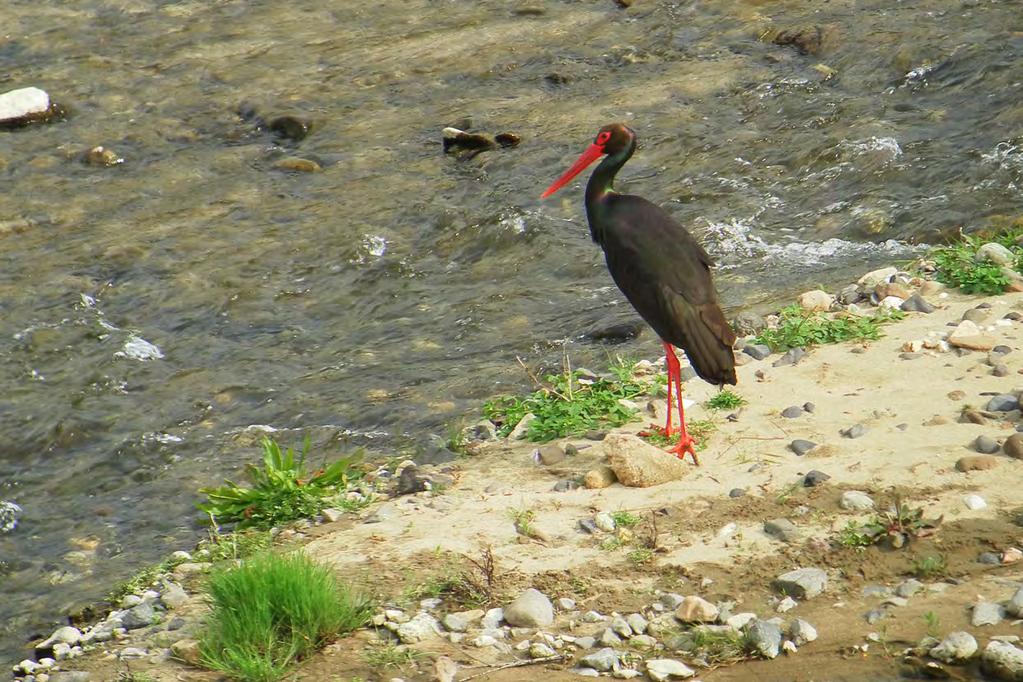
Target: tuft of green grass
[(933, 623), (625, 519), (957, 264), (716, 647), (640, 556), (282, 489), (390, 655), (240, 544), (698, 429), (931, 566), (798, 328), (726, 400), (272, 611), (856, 535), (897, 525), (567, 404), (523, 520)]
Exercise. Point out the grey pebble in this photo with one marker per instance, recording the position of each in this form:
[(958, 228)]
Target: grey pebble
[(603, 660), (792, 412), (1000, 370), (565, 485), (589, 526), (989, 558), (1002, 403), (757, 351), (791, 357), (854, 431), (802, 583), (909, 587), (814, 478), (874, 615), (594, 434), (810, 407), (782, 529), (987, 613), (765, 637), (986, 445), (139, 616), (801, 447), (917, 304), (1001, 350), (736, 492)]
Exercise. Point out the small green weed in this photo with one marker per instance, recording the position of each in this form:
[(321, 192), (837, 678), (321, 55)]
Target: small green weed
[(624, 519), (726, 400), (390, 655), (698, 429), (272, 611), (640, 556), (282, 489), (566, 404), (933, 623), (611, 544), (800, 329), (134, 677), (714, 646), (897, 525), (854, 535), (523, 519), (932, 566), (240, 544), (957, 264)]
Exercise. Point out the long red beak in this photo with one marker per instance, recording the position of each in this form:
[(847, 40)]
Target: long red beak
[(592, 153)]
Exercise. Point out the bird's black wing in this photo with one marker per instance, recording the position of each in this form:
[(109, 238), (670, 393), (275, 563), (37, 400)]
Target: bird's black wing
[(665, 274)]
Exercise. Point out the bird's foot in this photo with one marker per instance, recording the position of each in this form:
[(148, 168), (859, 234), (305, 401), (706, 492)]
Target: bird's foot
[(685, 444), (656, 430)]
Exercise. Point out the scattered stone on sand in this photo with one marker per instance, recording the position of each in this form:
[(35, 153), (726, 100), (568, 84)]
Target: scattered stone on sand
[(791, 357), (802, 583), (601, 477), (987, 613), (410, 481), (757, 351), (856, 500), (976, 463), (736, 492), (801, 632), (783, 529), (976, 315), (446, 670), (546, 455), (989, 558), (530, 609), (1015, 605), (815, 301), (968, 335), (566, 484), (986, 445), (73, 676), (638, 464), (603, 660), (854, 431), (1005, 402), (1013, 446), (814, 478), (917, 304), (420, 627), (637, 622), (1012, 555), (1003, 661), (956, 647), (695, 609), (875, 277), (792, 412), (972, 417), (660, 669), (993, 252), (974, 502), (139, 616), (522, 428), (801, 447), (604, 522), (907, 588), (765, 637), (460, 621)]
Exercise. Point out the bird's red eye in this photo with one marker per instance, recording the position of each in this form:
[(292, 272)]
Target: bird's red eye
[(603, 137)]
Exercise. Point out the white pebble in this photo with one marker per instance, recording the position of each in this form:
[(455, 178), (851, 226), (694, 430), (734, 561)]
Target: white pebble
[(974, 502)]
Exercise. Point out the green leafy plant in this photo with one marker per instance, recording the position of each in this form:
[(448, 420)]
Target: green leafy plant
[(931, 566), (726, 399), (523, 520), (714, 646), (282, 489), (271, 611), (897, 525), (625, 519), (798, 328), (566, 404), (958, 266), (640, 556), (854, 535), (933, 623)]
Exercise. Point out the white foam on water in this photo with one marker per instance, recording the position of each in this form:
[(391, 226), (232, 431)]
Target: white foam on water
[(887, 146), (375, 245), (9, 513), (515, 223), (137, 348)]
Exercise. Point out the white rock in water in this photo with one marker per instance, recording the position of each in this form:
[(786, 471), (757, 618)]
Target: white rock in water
[(137, 348), (23, 103)]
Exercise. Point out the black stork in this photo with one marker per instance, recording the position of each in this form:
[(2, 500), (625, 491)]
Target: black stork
[(661, 269)]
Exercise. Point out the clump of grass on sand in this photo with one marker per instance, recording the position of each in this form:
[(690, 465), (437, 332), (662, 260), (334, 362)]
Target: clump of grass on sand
[(568, 404), (798, 328), (282, 489), (725, 399), (957, 264), (272, 611)]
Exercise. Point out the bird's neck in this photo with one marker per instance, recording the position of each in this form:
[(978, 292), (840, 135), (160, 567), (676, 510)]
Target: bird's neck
[(601, 182)]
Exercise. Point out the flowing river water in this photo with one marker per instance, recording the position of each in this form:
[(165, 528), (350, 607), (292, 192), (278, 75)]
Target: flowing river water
[(154, 311)]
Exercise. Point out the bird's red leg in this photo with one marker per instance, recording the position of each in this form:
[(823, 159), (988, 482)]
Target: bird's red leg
[(685, 442), (668, 355)]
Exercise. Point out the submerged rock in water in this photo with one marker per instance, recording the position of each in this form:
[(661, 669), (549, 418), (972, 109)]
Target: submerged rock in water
[(9, 514), (507, 139), (101, 156), (290, 127), (24, 106), (456, 139)]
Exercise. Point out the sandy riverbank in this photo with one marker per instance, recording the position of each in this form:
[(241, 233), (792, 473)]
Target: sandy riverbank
[(910, 406)]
